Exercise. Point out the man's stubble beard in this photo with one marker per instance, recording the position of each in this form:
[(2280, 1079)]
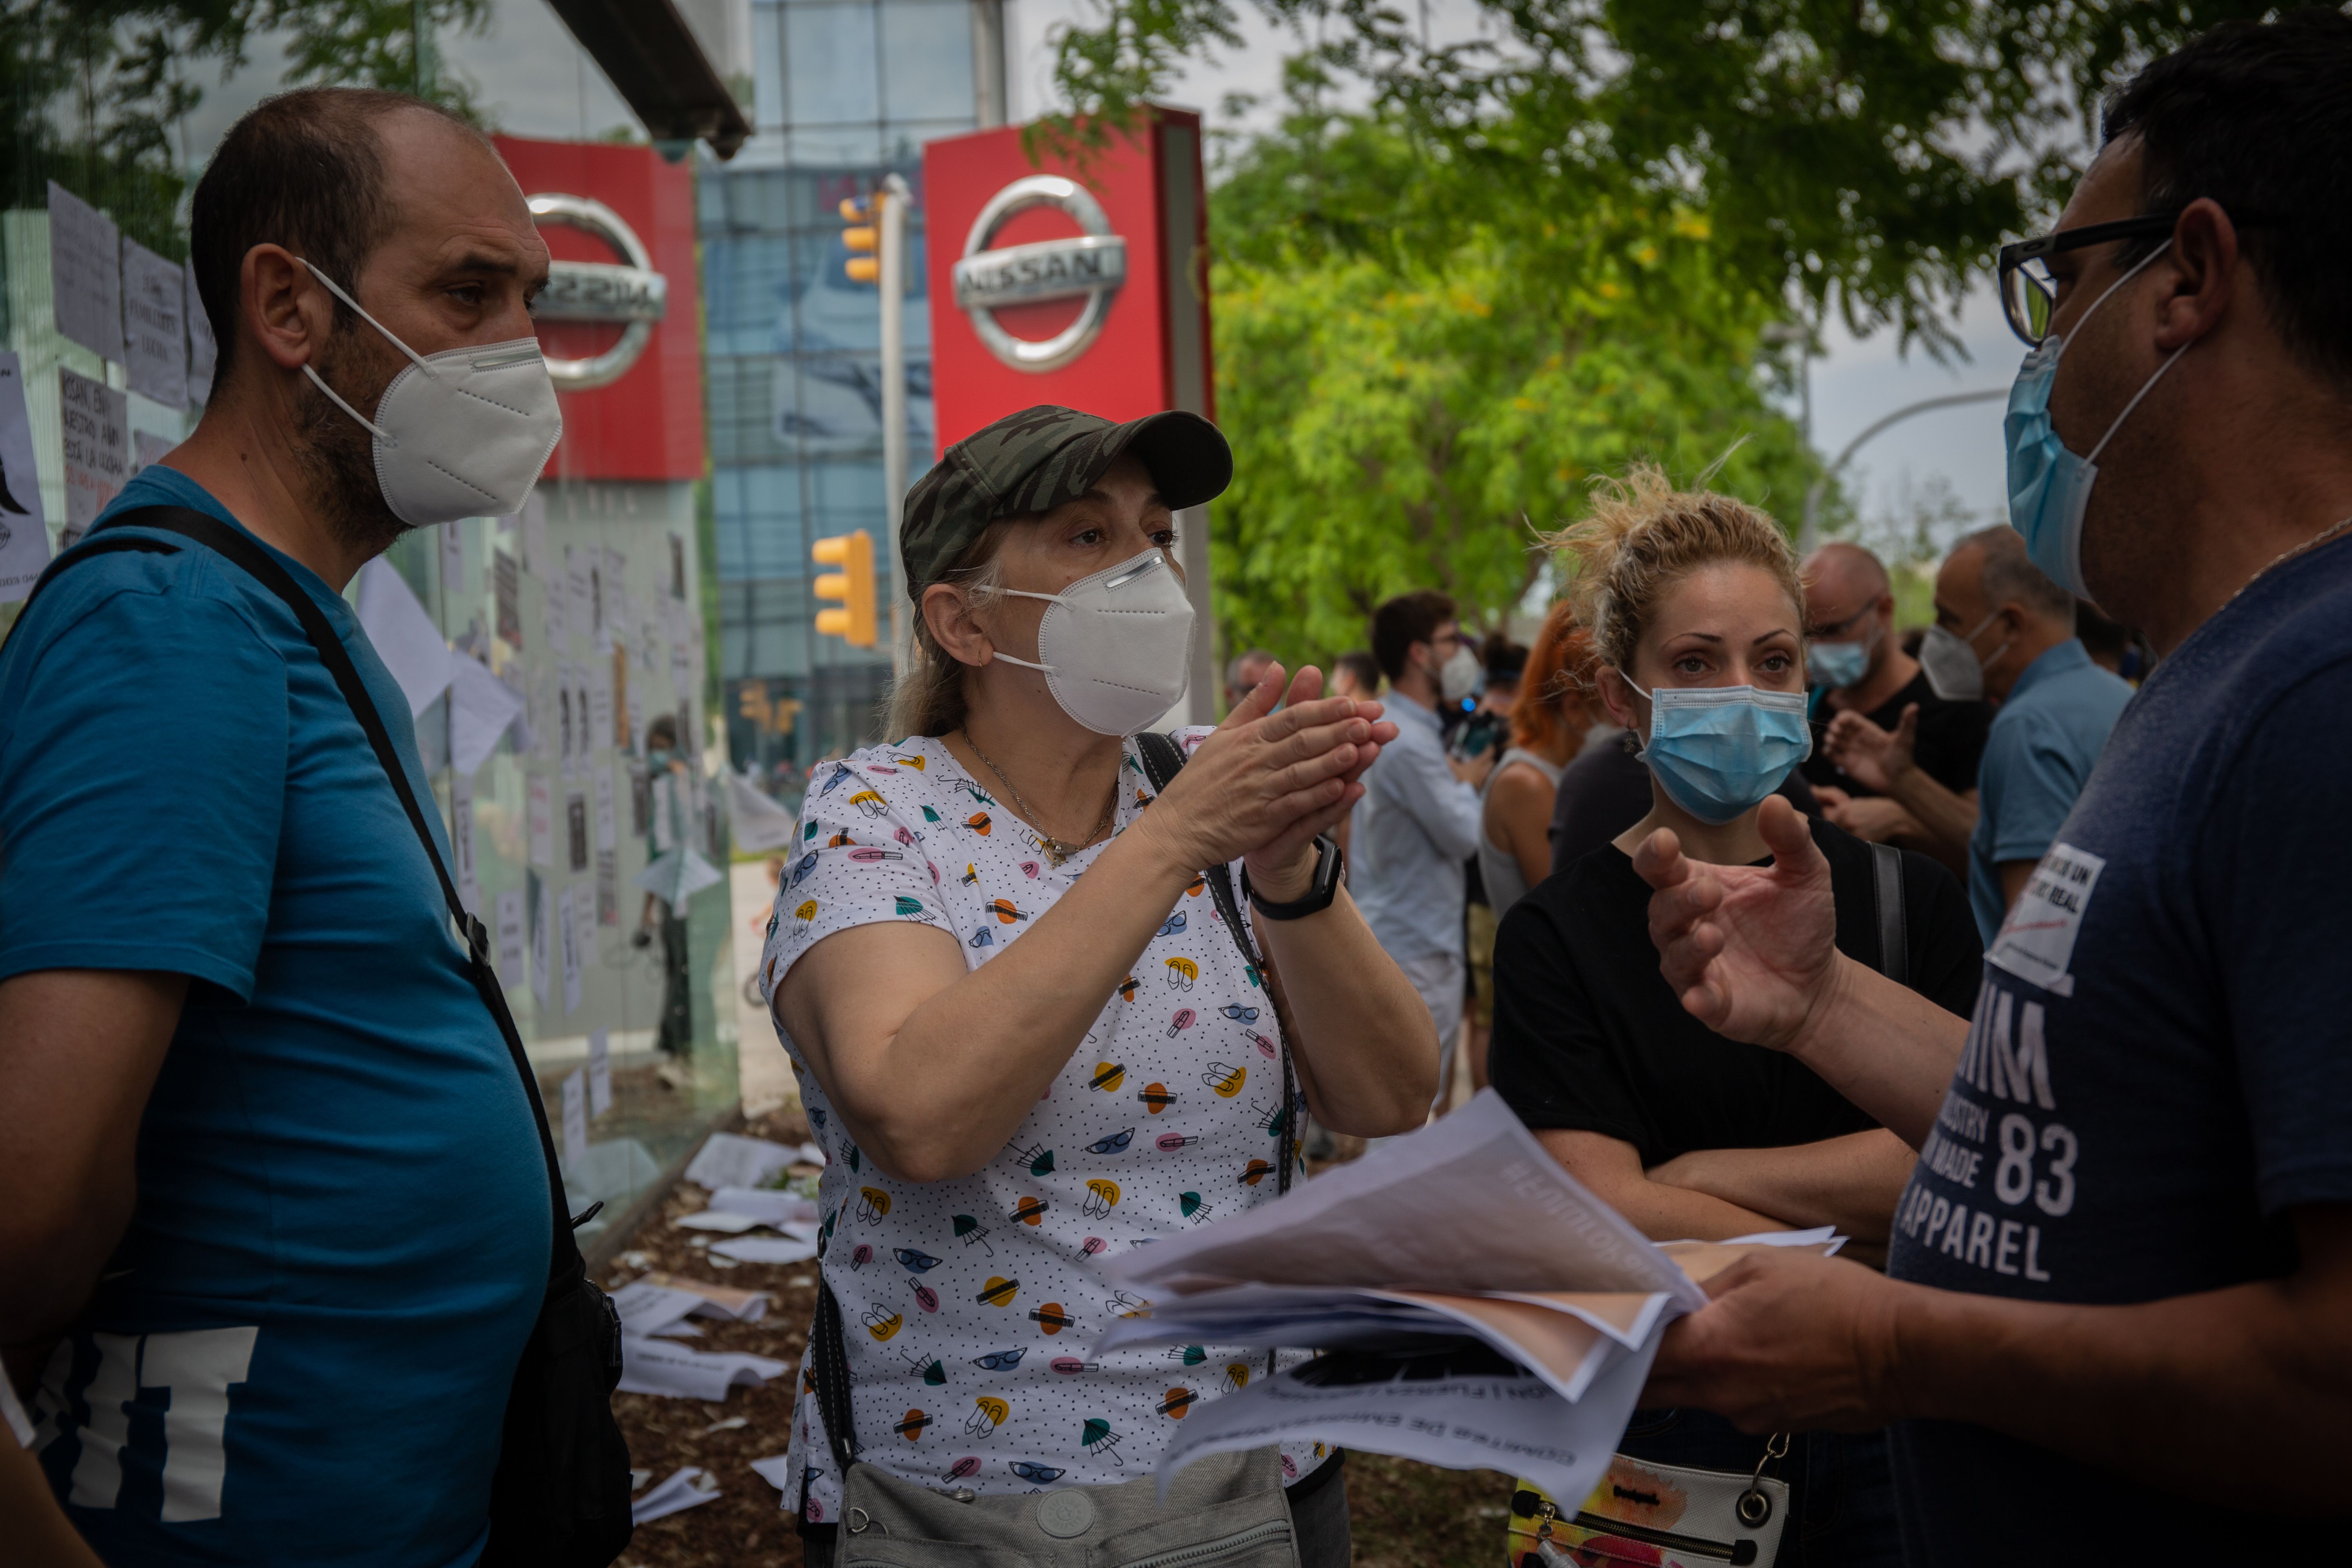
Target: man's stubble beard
[(335, 452), (2133, 541)]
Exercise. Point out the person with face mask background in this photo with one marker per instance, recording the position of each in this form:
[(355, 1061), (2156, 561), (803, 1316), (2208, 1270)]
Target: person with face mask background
[(1696, 621), (1013, 992), (667, 832), (1413, 833), (2005, 632), (1857, 665), (277, 1196)]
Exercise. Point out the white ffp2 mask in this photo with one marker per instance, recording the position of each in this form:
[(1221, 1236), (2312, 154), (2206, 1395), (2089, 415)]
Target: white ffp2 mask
[(1116, 647), (463, 433), (1457, 677)]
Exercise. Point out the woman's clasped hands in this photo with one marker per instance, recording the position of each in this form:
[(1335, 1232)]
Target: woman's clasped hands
[(1268, 780)]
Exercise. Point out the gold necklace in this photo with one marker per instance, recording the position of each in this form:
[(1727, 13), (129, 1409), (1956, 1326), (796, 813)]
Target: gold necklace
[(2283, 556), (1057, 850)]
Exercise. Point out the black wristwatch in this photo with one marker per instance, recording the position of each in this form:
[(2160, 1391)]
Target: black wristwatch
[(1330, 868)]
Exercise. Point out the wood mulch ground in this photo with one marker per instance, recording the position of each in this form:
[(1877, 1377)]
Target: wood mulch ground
[(1406, 1515)]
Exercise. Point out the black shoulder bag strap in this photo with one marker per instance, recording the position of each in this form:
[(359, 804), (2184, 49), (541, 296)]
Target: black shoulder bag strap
[(1162, 758), (1886, 899), (570, 1529)]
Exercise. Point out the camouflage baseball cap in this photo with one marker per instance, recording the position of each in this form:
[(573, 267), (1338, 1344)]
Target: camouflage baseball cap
[(1034, 461)]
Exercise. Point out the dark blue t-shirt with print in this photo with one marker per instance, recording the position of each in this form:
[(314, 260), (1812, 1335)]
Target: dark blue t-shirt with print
[(2159, 1069), (302, 1350)]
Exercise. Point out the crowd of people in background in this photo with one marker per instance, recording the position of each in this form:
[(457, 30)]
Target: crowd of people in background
[(1965, 741)]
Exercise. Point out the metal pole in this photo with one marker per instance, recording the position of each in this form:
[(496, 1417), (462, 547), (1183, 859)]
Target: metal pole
[(892, 254), (1808, 535)]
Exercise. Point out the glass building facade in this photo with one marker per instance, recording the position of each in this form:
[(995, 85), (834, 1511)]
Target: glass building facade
[(845, 91)]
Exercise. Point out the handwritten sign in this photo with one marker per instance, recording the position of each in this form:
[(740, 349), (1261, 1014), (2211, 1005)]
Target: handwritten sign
[(154, 325), (86, 273), (96, 423), (24, 529)]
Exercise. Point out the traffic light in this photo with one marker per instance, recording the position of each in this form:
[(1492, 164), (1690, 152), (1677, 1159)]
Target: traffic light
[(864, 238), (853, 585)]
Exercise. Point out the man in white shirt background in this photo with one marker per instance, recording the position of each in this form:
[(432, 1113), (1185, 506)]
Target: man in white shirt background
[(1417, 826)]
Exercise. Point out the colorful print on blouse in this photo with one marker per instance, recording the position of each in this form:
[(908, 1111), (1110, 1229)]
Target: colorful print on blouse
[(968, 1307)]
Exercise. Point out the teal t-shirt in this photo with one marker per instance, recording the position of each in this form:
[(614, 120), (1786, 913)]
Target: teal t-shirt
[(2046, 737), (302, 1350)]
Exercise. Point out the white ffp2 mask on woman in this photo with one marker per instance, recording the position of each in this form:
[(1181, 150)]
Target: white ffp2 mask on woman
[(463, 433), (1116, 647)]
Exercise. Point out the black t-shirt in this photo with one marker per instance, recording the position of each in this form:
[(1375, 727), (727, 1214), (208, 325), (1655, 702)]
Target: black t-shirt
[(2160, 1069), (1606, 790), (1950, 741), (1588, 1034)]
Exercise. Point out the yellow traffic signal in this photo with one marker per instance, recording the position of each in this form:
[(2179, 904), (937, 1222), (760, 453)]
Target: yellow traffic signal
[(853, 585), (865, 238)]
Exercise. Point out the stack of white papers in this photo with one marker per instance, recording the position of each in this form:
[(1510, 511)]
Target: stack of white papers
[(1482, 1308)]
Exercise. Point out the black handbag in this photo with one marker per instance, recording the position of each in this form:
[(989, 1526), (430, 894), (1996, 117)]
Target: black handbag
[(561, 1495)]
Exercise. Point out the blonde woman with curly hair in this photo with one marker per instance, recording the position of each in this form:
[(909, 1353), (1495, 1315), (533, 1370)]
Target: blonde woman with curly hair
[(1697, 619)]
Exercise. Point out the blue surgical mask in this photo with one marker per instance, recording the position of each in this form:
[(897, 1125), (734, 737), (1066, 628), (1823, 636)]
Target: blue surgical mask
[(1719, 750), (2049, 486), (1836, 664)]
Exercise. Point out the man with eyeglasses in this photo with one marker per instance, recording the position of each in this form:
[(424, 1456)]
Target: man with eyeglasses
[(2117, 1319), (1857, 666)]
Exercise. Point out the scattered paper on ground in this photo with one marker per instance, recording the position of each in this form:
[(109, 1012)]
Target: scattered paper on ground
[(765, 1249), (689, 1487), (653, 1366), (731, 1160), (743, 1306), (768, 1205)]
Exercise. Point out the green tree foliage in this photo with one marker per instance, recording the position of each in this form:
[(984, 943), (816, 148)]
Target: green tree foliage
[(92, 91), (1407, 415), (1856, 155)]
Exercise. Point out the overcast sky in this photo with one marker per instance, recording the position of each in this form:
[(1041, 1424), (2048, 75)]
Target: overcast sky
[(532, 80)]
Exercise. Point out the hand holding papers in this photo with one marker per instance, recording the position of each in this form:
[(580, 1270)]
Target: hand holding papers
[(1487, 1310)]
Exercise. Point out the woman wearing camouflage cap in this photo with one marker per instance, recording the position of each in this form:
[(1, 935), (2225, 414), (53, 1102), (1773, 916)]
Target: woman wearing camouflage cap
[(1034, 1025)]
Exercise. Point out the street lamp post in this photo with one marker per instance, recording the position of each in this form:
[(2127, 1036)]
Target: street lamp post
[(892, 255), (1808, 535)]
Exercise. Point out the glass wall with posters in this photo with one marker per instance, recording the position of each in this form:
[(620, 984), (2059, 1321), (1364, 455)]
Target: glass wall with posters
[(845, 92), (570, 755)]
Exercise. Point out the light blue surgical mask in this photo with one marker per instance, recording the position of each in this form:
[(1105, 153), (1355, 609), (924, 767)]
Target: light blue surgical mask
[(2049, 486), (1837, 663), (1719, 750)]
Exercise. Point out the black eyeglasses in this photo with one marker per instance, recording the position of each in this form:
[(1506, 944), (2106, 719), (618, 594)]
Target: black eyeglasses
[(2029, 294)]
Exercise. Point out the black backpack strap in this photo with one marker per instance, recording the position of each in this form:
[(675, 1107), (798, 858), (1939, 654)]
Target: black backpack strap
[(1162, 760), (243, 552), (1887, 897), (829, 1363)]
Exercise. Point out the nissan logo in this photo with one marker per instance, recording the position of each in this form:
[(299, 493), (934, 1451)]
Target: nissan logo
[(1092, 265), (632, 294)]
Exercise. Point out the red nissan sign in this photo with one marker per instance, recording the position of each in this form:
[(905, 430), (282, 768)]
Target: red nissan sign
[(1053, 283), (621, 317)]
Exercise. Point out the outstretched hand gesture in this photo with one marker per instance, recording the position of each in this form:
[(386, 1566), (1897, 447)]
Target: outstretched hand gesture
[(1870, 754), (1750, 950)]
